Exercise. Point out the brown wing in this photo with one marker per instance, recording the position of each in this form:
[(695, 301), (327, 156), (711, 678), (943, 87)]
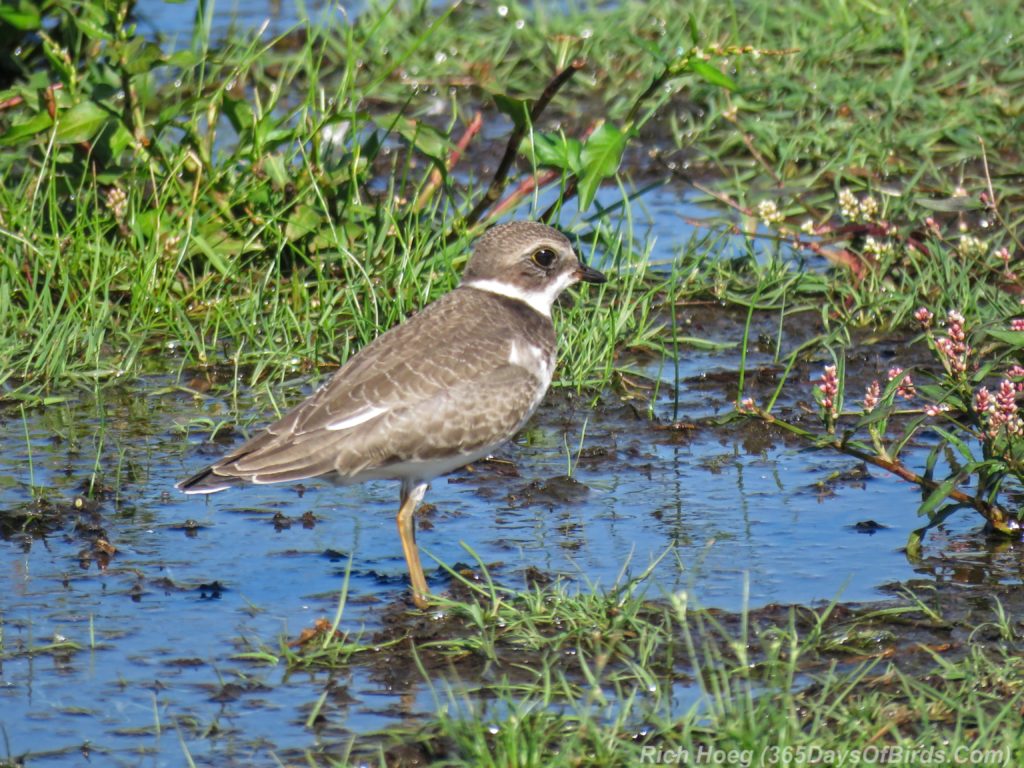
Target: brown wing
[(422, 433), (389, 403)]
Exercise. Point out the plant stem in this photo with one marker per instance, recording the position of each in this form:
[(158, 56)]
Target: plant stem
[(995, 515)]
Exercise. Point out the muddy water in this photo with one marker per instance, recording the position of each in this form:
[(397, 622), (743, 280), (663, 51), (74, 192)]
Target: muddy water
[(160, 591)]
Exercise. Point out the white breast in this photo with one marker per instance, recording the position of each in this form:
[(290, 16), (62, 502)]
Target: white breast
[(539, 364), (533, 359)]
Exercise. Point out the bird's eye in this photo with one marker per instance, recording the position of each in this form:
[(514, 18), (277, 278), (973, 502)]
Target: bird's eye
[(544, 257)]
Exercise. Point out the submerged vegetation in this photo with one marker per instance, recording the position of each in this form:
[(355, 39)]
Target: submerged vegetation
[(250, 207)]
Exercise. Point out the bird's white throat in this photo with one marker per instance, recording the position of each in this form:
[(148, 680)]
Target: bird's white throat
[(540, 299)]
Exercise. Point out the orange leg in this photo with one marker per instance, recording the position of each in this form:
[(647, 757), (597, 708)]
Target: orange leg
[(411, 496)]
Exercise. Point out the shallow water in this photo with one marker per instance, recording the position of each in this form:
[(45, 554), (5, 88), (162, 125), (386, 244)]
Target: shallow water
[(161, 621), (173, 20), (745, 519)]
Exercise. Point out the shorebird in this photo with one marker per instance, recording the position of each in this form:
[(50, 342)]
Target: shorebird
[(437, 392)]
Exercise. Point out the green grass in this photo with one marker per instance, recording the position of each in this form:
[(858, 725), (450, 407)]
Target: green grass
[(240, 232), (555, 676)]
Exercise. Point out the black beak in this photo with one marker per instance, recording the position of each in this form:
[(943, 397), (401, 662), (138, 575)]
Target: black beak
[(590, 275)]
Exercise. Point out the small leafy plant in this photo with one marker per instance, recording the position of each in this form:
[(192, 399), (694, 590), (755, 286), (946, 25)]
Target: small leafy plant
[(963, 404)]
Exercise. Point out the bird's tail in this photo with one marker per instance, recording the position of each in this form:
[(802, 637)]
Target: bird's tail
[(207, 481)]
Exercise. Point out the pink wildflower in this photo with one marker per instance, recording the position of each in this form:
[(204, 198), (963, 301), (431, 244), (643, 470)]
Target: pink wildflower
[(924, 316), (828, 384), (871, 396), (953, 346), (935, 410), (905, 388), (1017, 324), (1016, 375), (1006, 408), (983, 401)]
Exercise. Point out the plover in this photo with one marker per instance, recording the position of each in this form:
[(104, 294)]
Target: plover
[(441, 390)]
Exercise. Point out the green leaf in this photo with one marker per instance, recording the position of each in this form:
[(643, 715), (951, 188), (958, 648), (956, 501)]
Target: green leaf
[(962, 448), (600, 159), (144, 223), (20, 131), (879, 413), (239, 113), (141, 55), (92, 29), (692, 24), (120, 140), (1014, 338), (553, 150), (211, 253), (92, 21), (696, 342), (81, 122), (183, 59), (276, 171), (909, 430), (111, 143), (914, 544), (950, 204), (25, 17), (940, 394), (938, 496), (517, 109), (712, 74), (303, 220), (425, 138)]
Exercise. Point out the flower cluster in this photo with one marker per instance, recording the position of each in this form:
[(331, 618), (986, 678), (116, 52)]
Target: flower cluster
[(848, 205), (116, 201), (1016, 376), (769, 212), (828, 385), (872, 395), (905, 388), (999, 413), (878, 248), (953, 348), (171, 244), (1003, 254), (746, 405), (852, 209), (972, 247)]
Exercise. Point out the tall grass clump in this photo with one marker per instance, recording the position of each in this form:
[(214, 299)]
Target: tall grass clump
[(274, 203)]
